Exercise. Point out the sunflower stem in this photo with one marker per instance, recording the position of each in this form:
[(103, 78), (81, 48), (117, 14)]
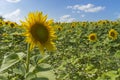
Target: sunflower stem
[(28, 58)]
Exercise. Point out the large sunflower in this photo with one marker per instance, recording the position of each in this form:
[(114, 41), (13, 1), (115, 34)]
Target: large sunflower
[(113, 34), (92, 37), (1, 23), (39, 31)]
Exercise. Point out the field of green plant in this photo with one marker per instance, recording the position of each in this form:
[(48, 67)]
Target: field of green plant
[(85, 51)]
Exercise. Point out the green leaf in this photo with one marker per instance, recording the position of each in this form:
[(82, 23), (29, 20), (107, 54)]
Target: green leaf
[(40, 67), (46, 74), (41, 72), (111, 75), (42, 59), (30, 76), (21, 70), (3, 78), (117, 54), (40, 78), (10, 60)]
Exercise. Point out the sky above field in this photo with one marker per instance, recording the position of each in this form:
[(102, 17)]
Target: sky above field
[(62, 10)]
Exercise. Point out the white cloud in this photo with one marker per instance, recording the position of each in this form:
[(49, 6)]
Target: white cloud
[(70, 19), (13, 16), (13, 1), (87, 8), (66, 18)]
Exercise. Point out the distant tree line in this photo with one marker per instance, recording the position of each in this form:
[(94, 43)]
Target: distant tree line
[(2, 18)]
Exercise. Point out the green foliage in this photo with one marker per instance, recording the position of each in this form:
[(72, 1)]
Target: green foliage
[(11, 60), (76, 57), (13, 54)]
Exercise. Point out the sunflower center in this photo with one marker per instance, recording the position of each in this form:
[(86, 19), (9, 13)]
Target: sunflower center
[(92, 37), (12, 25), (112, 34), (40, 33)]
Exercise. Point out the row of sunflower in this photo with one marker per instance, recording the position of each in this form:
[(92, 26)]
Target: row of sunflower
[(74, 58), (113, 34), (87, 50), (8, 23)]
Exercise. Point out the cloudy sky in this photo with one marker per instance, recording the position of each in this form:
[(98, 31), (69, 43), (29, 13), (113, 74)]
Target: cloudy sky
[(62, 10)]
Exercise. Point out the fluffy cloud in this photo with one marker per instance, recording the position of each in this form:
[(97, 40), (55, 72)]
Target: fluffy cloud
[(66, 18), (13, 1), (87, 8), (13, 16)]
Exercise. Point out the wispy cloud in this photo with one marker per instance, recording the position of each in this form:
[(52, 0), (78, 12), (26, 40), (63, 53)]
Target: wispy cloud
[(87, 8), (13, 1), (13, 16), (66, 18)]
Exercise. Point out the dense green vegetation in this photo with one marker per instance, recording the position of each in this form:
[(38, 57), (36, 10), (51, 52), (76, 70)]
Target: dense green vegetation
[(77, 57)]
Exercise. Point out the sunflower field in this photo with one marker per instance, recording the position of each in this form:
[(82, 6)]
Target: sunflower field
[(40, 49)]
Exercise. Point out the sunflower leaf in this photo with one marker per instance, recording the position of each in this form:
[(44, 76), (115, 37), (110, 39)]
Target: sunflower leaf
[(10, 60), (42, 71)]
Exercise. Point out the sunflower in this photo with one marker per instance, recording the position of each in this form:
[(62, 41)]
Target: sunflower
[(73, 25), (39, 31), (1, 23), (59, 28), (92, 37), (6, 22), (12, 24), (113, 34), (69, 31)]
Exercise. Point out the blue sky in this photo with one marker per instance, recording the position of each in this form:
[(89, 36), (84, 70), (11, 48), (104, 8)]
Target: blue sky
[(62, 10)]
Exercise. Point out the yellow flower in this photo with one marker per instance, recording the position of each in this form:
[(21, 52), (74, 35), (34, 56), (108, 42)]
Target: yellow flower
[(73, 25), (59, 28), (12, 24), (4, 34), (69, 31), (113, 34), (39, 31), (84, 24), (1, 23), (6, 22), (92, 37)]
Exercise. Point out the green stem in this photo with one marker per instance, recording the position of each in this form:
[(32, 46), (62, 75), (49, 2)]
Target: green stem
[(28, 58)]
